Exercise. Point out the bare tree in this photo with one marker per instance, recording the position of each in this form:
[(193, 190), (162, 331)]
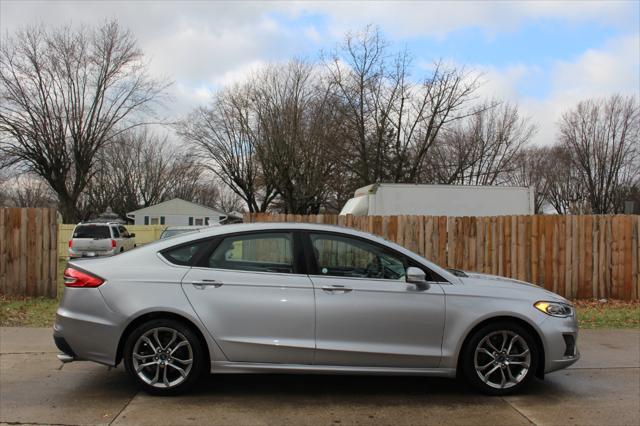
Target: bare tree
[(566, 188), (139, 169), (388, 122), (65, 94), (26, 191), (602, 139), (533, 167), (224, 136), (294, 113), (483, 150)]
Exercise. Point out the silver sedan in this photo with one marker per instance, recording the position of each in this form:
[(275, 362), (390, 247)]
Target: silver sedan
[(298, 298)]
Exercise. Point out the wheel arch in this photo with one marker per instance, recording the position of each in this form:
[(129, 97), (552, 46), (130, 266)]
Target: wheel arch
[(161, 315), (521, 322)]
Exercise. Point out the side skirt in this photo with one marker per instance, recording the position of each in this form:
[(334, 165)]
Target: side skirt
[(225, 367)]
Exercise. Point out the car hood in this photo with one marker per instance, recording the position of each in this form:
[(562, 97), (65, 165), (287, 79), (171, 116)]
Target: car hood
[(511, 285)]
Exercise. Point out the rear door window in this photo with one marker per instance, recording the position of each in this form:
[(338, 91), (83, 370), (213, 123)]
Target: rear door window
[(95, 232), (260, 252)]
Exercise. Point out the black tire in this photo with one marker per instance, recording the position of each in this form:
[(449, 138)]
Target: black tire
[(197, 367), (494, 331)]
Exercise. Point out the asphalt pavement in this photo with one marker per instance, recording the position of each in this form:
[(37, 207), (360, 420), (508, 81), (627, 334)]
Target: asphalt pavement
[(35, 388)]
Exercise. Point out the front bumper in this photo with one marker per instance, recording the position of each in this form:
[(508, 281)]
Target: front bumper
[(560, 337)]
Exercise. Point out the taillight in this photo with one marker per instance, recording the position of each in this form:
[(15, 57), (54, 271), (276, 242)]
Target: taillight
[(76, 278), (70, 243), (113, 243)]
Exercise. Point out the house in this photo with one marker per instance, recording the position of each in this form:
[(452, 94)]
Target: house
[(176, 212)]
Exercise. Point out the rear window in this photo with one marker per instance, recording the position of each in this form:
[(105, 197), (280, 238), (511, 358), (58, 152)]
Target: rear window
[(92, 231), (183, 255)]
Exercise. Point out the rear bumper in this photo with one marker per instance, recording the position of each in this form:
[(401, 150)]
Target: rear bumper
[(62, 344), (86, 328), (88, 253)]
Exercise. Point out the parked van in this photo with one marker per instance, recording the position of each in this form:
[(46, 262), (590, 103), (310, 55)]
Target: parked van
[(100, 239), (387, 199)]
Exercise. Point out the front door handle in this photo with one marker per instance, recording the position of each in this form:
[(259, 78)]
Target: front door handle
[(337, 289), (206, 283)]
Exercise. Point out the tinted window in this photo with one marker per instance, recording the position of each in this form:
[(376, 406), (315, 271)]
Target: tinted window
[(265, 252), (92, 231), (349, 257), (115, 232), (183, 255)]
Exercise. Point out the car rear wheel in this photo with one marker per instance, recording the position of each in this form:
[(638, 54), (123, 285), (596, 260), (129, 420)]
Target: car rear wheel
[(500, 358), (164, 357)]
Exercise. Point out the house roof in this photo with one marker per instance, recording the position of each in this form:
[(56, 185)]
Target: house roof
[(177, 206)]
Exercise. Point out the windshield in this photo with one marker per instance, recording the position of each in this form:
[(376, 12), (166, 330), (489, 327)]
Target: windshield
[(92, 231)]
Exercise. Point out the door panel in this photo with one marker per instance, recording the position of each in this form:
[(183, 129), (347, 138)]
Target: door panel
[(366, 313), (378, 323), (254, 316), (252, 299)]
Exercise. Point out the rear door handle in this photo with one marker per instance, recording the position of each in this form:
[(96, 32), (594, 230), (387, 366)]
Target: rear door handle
[(337, 289), (206, 283)]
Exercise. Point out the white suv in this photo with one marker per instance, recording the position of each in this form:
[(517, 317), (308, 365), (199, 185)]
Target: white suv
[(100, 239)]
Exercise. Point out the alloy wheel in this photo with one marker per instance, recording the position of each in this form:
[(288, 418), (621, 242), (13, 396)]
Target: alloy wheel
[(502, 359), (162, 357)]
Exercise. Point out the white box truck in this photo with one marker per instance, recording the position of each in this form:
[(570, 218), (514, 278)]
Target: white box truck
[(388, 199)]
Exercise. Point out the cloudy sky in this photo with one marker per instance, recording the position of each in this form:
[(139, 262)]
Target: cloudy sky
[(544, 55)]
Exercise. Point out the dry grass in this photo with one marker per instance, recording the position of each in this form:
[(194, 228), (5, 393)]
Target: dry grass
[(608, 313)]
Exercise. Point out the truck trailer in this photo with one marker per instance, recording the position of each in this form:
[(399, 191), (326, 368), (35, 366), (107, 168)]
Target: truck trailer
[(387, 199)]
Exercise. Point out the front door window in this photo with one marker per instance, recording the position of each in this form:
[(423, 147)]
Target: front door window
[(340, 256)]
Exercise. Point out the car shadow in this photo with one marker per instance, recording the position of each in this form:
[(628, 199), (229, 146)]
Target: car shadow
[(339, 386), (335, 385)]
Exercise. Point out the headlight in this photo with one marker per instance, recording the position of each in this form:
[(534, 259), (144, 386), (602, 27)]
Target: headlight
[(555, 309)]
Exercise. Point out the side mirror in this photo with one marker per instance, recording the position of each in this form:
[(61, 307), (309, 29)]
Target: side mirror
[(132, 235), (416, 276)]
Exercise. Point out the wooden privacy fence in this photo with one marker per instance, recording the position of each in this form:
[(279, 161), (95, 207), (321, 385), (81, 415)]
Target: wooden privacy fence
[(578, 257), (28, 252)]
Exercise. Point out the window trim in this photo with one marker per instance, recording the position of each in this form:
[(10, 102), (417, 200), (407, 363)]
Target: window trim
[(312, 264)]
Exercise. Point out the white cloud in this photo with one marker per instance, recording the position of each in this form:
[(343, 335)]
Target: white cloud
[(312, 34), (439, 18), (615, 67), (612, 68)]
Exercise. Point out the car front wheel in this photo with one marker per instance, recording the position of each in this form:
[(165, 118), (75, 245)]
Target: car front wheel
[(500, 358), (164, 357)]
